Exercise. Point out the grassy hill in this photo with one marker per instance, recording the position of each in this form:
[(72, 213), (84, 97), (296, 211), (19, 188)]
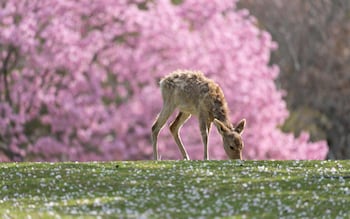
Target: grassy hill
[(176, 189)]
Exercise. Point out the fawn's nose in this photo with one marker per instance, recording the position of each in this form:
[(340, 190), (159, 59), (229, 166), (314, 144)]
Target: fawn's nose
[(237, 156)]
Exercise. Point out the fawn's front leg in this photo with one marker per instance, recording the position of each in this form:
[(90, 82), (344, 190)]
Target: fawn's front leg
[(204, 126)]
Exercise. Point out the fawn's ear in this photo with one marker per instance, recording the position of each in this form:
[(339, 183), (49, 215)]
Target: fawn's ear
[(240, 126), (221, 126)]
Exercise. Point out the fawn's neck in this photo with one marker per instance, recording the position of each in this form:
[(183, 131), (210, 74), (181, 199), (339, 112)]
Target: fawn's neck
[(221, 113)]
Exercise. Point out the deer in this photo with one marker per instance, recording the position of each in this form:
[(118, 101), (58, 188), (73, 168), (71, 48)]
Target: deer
[(192, 93)]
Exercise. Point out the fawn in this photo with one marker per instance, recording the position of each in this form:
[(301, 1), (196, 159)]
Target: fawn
[(194, 94)]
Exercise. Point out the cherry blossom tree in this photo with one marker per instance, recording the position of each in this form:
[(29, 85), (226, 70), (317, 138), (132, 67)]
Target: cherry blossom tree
[(79, 79), (313, 54)]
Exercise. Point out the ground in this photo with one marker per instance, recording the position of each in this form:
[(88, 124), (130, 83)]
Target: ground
[(176, 189)]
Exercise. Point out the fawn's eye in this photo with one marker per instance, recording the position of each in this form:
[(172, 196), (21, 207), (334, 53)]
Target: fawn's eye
[(231, 147)]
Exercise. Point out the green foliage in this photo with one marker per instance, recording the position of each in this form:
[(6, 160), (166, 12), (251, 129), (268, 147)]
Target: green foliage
[(177, 2), (34, 126), (175, 189), (308, 120)]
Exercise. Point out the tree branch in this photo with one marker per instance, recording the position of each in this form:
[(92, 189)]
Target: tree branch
[(10, 154), (5, 71)]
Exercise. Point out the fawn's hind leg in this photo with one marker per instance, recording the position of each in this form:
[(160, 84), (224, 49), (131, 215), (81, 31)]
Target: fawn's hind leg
[(175, 126), (163, 116)]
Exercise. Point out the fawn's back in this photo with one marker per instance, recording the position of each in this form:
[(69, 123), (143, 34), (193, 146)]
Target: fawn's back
[(192, 92)]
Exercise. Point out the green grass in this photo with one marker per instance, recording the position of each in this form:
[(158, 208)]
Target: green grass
[(176, 189)]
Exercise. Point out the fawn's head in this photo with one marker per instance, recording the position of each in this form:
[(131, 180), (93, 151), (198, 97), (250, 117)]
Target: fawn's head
[(232, 139)]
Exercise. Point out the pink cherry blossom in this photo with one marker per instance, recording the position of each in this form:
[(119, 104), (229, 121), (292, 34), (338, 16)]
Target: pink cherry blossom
[(82, 78)]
